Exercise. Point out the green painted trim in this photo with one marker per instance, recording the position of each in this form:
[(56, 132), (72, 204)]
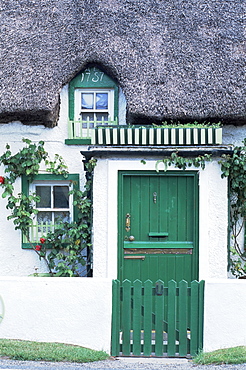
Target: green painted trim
[(26, 246), (121, 175), (201, 315), (149, 135), (229, 230), (25, 184), (158, 234), (115, 346), (244, 237), (87, 82), (77, 141), (196, 228), (157, 245)]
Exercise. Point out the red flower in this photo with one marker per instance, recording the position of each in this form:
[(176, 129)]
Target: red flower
[(2, 179), (42, 240), (38, 248)]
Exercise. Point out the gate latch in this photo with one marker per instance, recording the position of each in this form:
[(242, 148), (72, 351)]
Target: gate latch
[(159, 288)]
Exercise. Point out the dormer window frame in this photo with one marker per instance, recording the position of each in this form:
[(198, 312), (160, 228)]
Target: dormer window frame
[(94, 112), (92, 79)]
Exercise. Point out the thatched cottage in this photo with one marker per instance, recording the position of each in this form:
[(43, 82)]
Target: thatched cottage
[(126, 82)]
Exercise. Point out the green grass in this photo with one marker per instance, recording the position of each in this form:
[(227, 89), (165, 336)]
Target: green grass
[(37, 351), (236, 355)]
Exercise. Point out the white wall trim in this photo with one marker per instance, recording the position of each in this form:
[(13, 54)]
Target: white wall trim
[(212, 216)]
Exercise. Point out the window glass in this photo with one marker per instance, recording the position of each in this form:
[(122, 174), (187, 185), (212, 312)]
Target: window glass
[(44, 217), (55, 206), (87, 116), (56, 201), (94, 106), (44, 192), (62, 216), (87, 100), (101, 117), (61, 197), (101, 101)]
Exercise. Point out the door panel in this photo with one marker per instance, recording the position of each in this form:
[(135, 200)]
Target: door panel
[(163, 211)]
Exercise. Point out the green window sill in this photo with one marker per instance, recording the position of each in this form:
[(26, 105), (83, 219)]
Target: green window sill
[(77, 141)]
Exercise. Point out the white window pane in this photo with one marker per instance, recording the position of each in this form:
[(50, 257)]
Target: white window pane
[(61, 197), (62, 216), (88, 120), (44, 217), (87, 100), (87, 117), (44, 192), (101, 100), (102, 117)]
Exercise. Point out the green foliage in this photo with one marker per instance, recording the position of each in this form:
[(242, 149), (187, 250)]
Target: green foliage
[(237, 264), (182, 163), (24, 350), (22, 210), (235, 355), (195, 124), (67, 242), (234, 167), (57, 167), (25, 162), (62, 249)]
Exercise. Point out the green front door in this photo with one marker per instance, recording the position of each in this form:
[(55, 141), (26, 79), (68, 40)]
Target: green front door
[(158, 225)]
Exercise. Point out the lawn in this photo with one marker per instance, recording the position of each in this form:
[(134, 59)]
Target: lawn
[(37, 351), (236, 355)]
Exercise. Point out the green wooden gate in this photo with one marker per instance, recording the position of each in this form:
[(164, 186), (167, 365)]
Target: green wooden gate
[(150, 319), (158, 225)]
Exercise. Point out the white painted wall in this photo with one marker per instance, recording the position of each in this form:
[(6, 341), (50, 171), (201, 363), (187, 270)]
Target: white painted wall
[(14, 260), (66, 310), (224, 314), (233, 134), (78, 311), (212, 217)]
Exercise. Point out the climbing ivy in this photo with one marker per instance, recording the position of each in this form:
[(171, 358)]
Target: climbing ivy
[(62, 249), (182, 163), (233, 166)]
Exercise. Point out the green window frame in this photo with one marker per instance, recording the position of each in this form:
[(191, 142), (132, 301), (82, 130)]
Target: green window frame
[(92, 78), (26, 185)]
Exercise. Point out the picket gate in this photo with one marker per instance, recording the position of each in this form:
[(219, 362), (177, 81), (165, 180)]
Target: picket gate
[(151, 319)]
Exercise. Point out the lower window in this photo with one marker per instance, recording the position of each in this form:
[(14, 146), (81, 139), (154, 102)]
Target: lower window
[(55, 206)]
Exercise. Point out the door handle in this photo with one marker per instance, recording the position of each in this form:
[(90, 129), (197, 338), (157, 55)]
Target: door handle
[(154, 196), (128, 222)]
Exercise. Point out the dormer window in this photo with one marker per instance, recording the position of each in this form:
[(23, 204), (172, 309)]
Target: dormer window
[(94, 106), (93, 98)]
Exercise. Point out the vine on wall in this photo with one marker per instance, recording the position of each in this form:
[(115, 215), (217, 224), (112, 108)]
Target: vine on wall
[(233, 166), (62, 249)]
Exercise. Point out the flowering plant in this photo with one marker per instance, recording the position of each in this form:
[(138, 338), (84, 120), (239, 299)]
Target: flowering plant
[(62, 249)]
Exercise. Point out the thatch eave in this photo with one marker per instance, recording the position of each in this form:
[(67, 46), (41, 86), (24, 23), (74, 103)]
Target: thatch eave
[(173, 60)]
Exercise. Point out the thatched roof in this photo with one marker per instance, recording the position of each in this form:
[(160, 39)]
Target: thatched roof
[(173, 59)]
